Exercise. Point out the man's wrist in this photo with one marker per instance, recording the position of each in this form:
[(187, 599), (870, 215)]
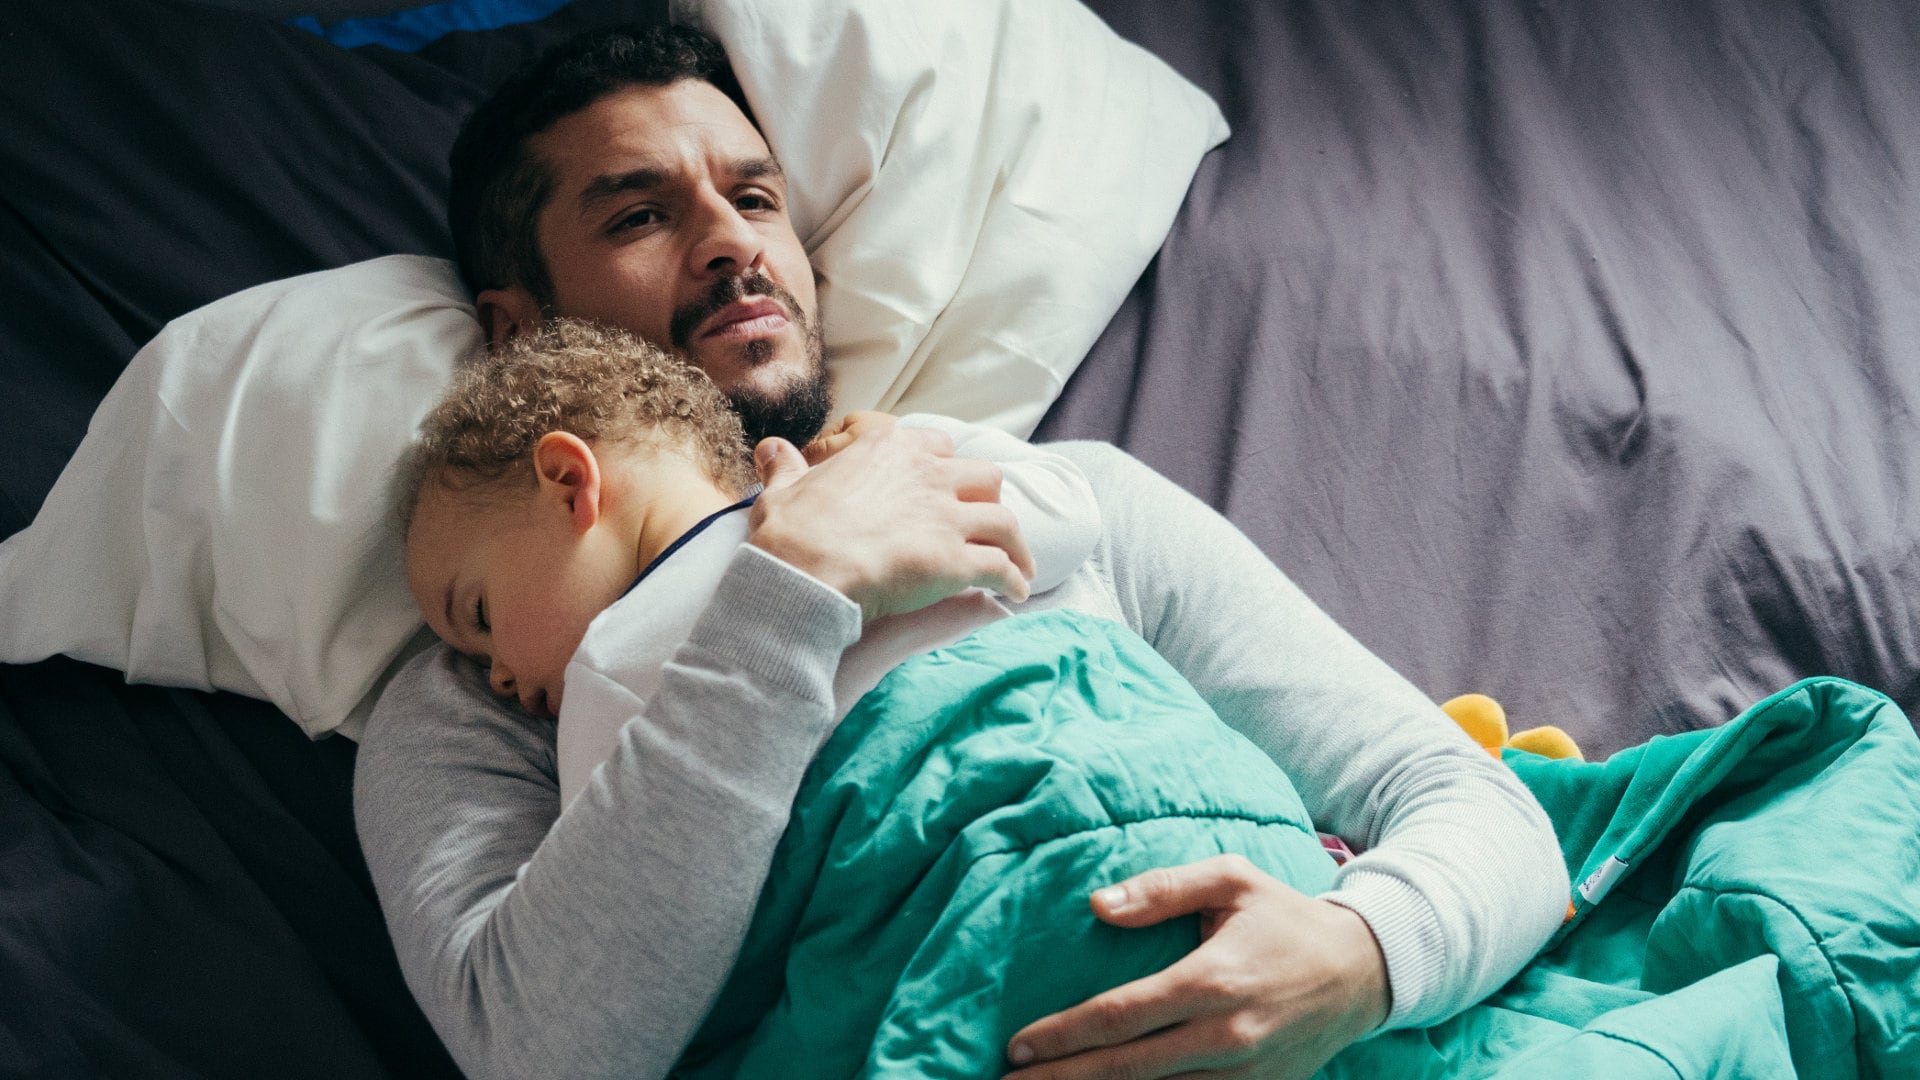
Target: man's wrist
[(1407, 934), (1370, 998), (806, 560)]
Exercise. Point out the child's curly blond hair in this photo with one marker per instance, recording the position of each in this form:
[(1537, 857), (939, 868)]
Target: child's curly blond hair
[(594, 381)]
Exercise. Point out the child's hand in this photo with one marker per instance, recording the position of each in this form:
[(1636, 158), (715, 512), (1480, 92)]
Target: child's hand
[(852, 426)]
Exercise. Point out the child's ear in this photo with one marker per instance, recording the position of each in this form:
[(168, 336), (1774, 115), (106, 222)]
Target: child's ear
[(570, 474)]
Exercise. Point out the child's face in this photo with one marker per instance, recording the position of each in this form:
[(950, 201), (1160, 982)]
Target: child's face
[(513, 582)]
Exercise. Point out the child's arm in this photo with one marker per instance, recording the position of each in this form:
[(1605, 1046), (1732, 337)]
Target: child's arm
[(1049, 496)]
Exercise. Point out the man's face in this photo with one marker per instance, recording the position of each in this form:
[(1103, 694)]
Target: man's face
[(668, 218)]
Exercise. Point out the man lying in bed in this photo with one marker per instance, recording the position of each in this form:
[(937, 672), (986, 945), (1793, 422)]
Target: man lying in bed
[(617, 180), (576, 499)]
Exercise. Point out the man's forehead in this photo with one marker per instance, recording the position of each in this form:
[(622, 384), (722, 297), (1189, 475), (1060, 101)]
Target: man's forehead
[(664, 128)]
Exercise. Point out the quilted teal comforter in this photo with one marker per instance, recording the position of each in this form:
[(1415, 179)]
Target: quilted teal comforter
[(1748, 905), (1748, 901)]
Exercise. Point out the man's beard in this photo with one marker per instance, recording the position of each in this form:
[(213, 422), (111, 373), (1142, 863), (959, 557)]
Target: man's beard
[(795, 412)]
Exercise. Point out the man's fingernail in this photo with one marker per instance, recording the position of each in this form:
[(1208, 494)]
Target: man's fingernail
[(1020, 1054), (763, 454), (1114, 898)]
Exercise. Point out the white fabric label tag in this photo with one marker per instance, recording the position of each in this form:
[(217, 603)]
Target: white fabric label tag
[(1601, 881)]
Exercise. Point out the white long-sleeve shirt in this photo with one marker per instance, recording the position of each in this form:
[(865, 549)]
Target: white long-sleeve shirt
[(620, 662), (592, 942)]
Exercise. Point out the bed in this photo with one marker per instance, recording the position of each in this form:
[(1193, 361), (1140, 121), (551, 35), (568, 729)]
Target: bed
[(1566, 353)]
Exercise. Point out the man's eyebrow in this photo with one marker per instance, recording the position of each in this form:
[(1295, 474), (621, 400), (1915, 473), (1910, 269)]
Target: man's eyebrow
[(648, 177), (645, 178), (758, 167)]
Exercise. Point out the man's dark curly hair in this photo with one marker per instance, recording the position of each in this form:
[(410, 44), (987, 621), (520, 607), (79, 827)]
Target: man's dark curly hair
[(500, 185)]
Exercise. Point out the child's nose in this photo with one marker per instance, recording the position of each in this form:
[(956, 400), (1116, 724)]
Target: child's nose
[(501, 679)]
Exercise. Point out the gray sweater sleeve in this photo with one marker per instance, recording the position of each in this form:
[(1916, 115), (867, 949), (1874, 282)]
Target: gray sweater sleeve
[(592, 943), (1461, 878)]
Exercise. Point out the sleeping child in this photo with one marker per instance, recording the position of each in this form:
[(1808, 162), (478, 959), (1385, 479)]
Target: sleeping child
[(576, 498)]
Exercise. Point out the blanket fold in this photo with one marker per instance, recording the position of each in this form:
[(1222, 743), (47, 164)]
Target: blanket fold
[(1792, 831), (1747, 900), (1747, 904), (930, 896)]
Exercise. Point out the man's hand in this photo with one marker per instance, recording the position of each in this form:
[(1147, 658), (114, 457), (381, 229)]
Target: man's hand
[(1281, 982), (852, 426), (893, 520)]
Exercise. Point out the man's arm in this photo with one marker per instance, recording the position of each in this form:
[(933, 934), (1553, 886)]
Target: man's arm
[(1461, 879), (1460, 864), (592, 945), (592, 942)]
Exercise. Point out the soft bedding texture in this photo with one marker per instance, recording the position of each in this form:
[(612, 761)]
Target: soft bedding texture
[(1569, 353), (965, 804), (977, 184), (1566, 352), (967, 801), (227, 522)]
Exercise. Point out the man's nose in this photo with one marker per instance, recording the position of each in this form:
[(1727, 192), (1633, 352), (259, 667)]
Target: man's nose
[(728, 243)]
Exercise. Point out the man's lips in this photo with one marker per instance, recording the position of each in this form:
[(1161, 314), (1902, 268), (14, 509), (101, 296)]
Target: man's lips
[(741, 320)]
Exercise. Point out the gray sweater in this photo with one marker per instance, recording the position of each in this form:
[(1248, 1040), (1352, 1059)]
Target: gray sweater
[(591, 944)]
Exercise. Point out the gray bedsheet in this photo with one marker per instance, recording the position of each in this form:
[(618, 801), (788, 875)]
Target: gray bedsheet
[(1566, 352)]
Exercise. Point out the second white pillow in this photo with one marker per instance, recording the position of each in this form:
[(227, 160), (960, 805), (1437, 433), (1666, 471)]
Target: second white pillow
[(979, 184)]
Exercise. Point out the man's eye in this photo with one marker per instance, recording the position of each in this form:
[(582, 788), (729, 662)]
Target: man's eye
[(755, 202), (480, 615), (635, 220)]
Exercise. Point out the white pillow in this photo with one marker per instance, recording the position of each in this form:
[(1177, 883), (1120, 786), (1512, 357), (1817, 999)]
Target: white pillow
[(979, 184), (226, 522)]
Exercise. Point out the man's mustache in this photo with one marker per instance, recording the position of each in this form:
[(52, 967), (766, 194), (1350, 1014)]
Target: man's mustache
[(728, 291)]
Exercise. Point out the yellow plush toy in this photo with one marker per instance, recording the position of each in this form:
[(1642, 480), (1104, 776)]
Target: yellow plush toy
[(1485, 721)]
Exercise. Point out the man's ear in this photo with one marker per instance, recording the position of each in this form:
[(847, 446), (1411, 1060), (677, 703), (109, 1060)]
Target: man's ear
[(570, 475), (505, 313)]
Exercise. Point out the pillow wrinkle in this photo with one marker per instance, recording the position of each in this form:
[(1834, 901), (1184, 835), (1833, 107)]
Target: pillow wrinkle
[(978, 185)]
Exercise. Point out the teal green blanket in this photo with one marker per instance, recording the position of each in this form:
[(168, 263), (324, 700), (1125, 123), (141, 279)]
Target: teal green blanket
[(1749, 901), (1748, 905)]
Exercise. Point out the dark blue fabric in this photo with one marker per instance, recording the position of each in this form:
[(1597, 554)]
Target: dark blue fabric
[(410, 30)]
